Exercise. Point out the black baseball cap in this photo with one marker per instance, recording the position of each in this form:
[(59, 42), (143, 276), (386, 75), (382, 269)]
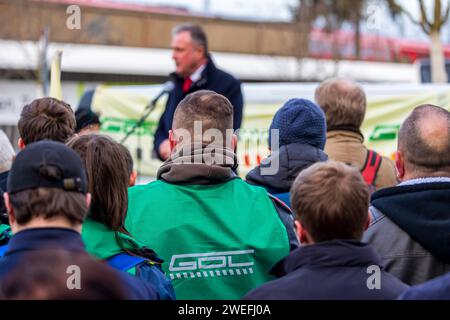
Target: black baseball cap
[(85, 118), (47, 164)]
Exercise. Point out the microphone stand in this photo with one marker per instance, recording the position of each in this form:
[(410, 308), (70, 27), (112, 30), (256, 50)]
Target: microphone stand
[(148, 110)]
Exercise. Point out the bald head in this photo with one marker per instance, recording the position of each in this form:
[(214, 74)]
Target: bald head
[(424, 140), (344, 103)]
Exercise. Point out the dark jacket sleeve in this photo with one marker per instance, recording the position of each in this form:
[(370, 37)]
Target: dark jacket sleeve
[(234, 94), (136, 289), (287, 218), (164, 125), (153, 275)]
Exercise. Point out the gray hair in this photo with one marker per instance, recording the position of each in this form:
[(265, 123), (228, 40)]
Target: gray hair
[(6, 152), (344, 103), (197, 34)]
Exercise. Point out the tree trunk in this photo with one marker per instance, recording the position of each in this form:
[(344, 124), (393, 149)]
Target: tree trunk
[(438, 72)]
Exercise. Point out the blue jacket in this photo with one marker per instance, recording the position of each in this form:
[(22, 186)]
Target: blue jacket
[(335, 270), (34, 240), (437, 289), (293, 158), (212, 79)]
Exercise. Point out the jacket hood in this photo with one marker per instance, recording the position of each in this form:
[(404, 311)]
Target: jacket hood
[(199, 165), (336, 253), (422, 211), (293, 158)]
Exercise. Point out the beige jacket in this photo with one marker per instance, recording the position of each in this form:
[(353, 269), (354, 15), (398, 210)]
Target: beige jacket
[(348, 147)]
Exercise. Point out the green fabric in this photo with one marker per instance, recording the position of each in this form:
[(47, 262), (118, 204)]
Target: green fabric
[(101, 242), (5, 235), (223, 221)]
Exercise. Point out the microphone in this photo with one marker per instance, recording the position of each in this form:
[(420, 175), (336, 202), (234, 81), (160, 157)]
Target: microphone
[(167, 87)]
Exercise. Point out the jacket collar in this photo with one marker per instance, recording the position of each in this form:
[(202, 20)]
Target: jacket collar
[(337, 253), (420, 210), (187, 166), (41, 238), (348, 134), (209, 69), (292, 159)]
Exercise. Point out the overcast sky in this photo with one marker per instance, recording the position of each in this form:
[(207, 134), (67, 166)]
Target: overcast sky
[(280, 10)]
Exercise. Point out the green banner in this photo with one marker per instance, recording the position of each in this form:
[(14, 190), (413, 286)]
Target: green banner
[(121, 109)]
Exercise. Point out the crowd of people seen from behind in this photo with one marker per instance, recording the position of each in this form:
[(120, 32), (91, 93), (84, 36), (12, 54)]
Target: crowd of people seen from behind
[(335, 221)]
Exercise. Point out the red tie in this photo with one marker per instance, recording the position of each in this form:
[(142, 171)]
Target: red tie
[(187, 84)]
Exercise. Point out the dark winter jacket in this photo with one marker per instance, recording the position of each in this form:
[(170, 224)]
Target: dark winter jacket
[(42, 239), (411, 230), (335, 270), (212, 79), (437, 289), (293, 158)]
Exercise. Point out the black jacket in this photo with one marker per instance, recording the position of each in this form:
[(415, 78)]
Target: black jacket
[(212, 79), (437, 289), (411, 230), (35, 240), (293, 159), (334, 270)]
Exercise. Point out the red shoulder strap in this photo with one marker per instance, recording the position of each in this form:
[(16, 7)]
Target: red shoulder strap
[(371, 167)]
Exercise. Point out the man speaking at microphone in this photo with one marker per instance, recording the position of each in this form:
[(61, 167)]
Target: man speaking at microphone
[(195, 71)]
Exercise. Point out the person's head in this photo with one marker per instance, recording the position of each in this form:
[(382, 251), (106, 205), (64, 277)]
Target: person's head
[(424, 144), (6, 153), (300, 121), (189, 48), (47, 187), (108, 177), (61, 275), (87, 121), (344, 103), (46, 119), (208, 110), (130, 166), (331, 202)]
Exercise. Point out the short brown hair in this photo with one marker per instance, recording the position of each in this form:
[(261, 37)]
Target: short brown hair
[(49, 203), (213, 110), (106, 166), (331, 201), (424, 139), (47, 119), (344, 103)]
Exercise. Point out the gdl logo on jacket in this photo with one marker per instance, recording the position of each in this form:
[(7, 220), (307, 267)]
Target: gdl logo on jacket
[(213, 264)]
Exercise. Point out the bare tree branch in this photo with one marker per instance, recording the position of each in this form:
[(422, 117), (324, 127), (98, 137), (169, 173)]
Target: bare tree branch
[(445, 17), (423, 23), (423, 13)]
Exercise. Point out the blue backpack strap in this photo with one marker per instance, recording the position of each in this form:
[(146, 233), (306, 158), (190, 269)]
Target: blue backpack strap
[(285, 198), (3, 250), (124, 261)]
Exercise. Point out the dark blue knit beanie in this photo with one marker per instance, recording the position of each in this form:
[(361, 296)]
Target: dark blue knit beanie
[(300, 121)]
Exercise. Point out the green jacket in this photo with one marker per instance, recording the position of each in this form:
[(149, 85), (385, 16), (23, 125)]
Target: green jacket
[(219, 240), (101, 242)]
